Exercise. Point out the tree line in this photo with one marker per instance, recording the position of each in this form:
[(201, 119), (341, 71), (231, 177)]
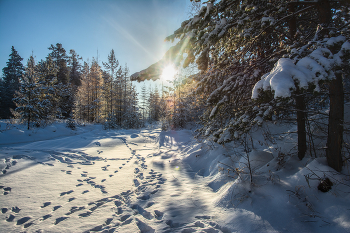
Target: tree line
[(59, 87)]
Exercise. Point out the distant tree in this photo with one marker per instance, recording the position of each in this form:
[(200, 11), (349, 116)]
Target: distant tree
[(27, 98), (47, 89), (109, 86), (74, 69), (59, 56), (12, 75), (83, 96), (154, 105), (144, 102), (65, 92)]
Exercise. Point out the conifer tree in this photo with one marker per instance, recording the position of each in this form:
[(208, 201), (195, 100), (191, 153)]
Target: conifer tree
[(12, 75), (109, 83), (27, 98), (64, 89), (74, 69), (47, 82)]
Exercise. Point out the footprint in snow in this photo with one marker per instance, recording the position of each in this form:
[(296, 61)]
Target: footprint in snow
[(16, 209), (97, 228), (68, 192), (28, 224), (136, 183), (108, 221), (23, 220), (98, 143), (85, 214), (124, 217), (56, 207), (119, 210), (118, 203), (158, 214), (60, 219), (10, 218), (46, 217), (143, 226)]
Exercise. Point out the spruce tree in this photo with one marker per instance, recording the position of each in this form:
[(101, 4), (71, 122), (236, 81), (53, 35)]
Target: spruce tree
[(47, 81), (27, 98), (12, 74), (64, 89), (74, 69)]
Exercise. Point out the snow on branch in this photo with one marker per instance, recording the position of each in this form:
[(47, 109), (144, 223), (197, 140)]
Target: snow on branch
[(318, 65)]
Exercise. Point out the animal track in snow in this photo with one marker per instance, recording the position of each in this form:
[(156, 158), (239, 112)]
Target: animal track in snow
[(65, 193), (60, 219)]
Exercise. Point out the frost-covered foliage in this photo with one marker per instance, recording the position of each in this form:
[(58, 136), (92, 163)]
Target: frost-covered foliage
[(319, 66), (234, 43), (9, 83), (27, 98)]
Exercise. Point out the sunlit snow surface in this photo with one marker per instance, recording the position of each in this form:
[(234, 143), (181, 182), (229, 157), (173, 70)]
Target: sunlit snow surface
[(59, 180)]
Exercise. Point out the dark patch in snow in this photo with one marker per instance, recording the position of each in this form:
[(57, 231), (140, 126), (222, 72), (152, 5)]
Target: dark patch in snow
[(23, 220), (46, 217), (60, 219), (56, 207), (85, 214), (10, 218), (16, 209)]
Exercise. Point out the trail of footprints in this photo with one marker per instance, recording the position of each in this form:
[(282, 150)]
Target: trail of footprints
[(126, 209)]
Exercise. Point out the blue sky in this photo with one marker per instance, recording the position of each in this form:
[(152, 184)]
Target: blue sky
[(135, 29)]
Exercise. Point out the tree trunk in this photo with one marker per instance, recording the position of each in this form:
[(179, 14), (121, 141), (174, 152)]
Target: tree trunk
[(335, 124), (301, 120)]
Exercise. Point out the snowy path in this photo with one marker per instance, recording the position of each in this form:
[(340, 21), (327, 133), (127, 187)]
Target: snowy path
[(108, 181)]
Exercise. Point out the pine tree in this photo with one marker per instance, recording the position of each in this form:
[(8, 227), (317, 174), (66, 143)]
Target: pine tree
[(143, 102), (64, 89), (95, 78), (74, 69), (27, 98), (12, 75), (59, 56), (47, 81), (83, 96), (109, 84)]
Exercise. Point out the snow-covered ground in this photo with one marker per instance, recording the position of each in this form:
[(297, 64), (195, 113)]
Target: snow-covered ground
[(89, 179)]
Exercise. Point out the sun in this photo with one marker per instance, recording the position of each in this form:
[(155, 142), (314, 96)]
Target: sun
[(169, 73)]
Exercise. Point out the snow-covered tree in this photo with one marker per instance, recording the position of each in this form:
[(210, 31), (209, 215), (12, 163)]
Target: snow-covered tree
[(27, 98), (111, 67), (323, 60), (234, 43), (47, 89), (12, 75), (74, 69), (66, 96)]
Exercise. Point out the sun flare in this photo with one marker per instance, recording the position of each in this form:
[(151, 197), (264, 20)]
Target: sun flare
[(169, 73)]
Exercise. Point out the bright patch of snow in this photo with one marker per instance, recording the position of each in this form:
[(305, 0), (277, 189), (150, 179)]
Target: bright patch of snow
[(149, 180)]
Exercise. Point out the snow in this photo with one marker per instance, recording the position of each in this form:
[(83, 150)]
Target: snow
[(317, 66), (55, 179)]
